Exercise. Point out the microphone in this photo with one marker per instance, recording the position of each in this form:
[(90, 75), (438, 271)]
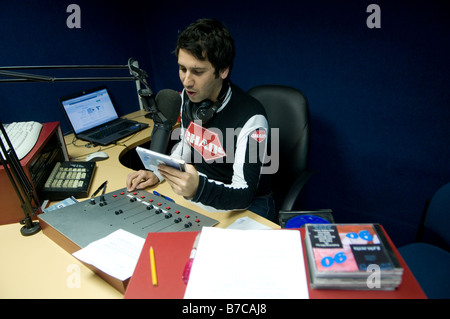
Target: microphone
[(168, 103)]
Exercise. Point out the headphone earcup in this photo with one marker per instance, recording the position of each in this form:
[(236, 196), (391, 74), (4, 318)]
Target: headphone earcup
[(202, 111), (205, 111)]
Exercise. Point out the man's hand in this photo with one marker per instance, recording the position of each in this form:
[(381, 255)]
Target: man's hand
[(182, 183), (141, 179)]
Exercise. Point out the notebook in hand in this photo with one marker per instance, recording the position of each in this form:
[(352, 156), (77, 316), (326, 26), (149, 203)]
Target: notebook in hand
[(93, 117)]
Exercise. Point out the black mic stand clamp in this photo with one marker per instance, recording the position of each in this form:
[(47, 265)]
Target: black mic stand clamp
[(148, 102), (146, 95), (148, 99), (21, 184), (151, 107), (30, 227)]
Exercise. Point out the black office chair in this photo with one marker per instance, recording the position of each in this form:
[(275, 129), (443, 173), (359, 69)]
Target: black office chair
[(429, 257), (287, 110)]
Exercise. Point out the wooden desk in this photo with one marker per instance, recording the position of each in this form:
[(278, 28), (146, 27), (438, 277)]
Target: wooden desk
[(36, 267)]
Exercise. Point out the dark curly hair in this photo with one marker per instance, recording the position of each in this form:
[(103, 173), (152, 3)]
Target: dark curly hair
[(208, 39)]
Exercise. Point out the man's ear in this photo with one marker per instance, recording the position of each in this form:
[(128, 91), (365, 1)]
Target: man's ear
[(224, 73)]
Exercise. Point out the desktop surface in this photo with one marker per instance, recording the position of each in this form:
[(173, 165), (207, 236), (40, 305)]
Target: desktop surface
[(37, 267)]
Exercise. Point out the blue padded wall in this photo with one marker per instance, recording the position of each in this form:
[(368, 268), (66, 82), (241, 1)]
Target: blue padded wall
[(36, 33)]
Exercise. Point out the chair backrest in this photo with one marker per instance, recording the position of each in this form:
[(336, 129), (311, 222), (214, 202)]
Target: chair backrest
[(437, 220), (288, 111)]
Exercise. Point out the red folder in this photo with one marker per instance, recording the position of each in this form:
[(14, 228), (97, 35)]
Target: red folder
[(172, 252)]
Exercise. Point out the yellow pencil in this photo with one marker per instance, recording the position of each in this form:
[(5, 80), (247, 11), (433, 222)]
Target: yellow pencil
[(153, 267)]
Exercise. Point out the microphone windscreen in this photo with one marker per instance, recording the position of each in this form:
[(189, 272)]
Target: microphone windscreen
[(169, 104)]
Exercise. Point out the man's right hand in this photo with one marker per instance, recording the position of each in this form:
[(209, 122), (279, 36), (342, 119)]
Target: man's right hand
[(141, 179)]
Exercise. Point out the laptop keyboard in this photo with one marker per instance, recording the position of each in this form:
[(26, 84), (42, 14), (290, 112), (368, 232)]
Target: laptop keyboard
[(110, 130)]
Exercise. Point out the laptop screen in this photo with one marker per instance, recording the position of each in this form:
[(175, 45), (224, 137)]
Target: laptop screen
[(89, 109)]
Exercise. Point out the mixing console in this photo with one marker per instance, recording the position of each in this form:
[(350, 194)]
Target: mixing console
[(138, 212)]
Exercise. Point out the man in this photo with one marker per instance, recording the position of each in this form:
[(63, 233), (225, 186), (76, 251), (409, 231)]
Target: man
[(224, 131)]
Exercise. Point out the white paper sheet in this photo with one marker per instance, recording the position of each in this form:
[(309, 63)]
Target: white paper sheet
[(247, 223), (248, 264), (115, 254)]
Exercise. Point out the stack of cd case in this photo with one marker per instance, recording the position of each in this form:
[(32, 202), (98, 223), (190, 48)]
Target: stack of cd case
[(351, 256)]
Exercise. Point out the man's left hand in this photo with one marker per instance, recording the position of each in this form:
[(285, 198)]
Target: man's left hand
[(182, 183)]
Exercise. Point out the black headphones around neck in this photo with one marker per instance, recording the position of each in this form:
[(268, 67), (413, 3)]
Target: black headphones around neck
[(205, 110)]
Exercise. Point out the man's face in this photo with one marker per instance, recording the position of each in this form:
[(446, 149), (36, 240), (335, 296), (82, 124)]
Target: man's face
[(198, 77)]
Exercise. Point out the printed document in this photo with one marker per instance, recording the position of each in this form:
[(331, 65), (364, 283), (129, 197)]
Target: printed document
[(115, 254), (248, 264)]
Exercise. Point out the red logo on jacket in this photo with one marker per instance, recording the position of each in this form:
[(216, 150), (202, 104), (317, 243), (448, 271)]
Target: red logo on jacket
[(259, 135), (204, 141)]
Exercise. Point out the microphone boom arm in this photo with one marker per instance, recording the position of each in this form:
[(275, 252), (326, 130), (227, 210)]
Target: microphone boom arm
[(21, 184)]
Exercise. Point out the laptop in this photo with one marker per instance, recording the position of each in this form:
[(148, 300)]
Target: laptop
[(93, 117)]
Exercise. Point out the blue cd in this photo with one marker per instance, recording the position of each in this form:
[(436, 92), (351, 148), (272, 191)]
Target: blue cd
[(300, 220)]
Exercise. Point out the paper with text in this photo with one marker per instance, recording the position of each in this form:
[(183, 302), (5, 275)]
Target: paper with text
[(115, 254), (248, 264)]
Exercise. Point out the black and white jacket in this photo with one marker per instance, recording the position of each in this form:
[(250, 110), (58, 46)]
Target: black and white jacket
[(228, 151)]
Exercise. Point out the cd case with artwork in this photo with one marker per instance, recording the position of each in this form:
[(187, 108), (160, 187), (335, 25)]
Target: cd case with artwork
[(152, 159)]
